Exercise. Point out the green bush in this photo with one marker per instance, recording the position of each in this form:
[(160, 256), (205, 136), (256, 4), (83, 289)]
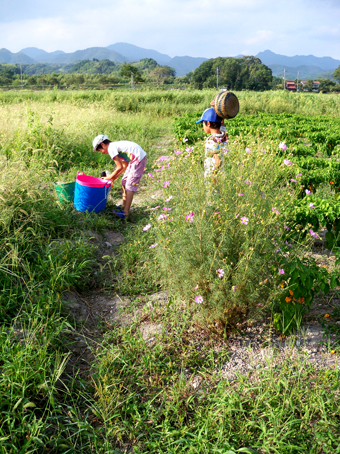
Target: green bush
[(221, 238)]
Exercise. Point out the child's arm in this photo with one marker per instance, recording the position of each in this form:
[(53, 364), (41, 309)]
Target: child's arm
[(120, 168), (217, 160)]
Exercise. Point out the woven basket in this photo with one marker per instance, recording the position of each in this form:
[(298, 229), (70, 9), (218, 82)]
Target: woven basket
[(226, 104)]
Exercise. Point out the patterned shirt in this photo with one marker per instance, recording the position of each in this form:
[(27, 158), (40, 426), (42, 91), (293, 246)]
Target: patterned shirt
[(214, 144)]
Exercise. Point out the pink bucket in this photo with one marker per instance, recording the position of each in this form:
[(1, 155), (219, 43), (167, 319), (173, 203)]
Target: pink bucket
[(91, 182)]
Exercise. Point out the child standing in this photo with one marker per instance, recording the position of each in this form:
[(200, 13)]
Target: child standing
[(214, 149), (129, 157)]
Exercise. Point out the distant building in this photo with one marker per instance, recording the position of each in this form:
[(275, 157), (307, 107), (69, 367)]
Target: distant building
[(315, 86), (290, 85)]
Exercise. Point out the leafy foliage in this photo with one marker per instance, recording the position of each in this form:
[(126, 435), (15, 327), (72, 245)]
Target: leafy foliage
[(234, 73)]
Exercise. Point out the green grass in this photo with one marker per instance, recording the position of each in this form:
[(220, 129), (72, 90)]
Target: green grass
[(142, 398), (162, 103), (146, 398)]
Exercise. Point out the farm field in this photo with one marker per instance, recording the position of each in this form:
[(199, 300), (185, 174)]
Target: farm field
[(188, 328)]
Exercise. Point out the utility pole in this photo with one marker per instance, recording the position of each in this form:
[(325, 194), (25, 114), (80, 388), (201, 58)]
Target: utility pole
[(284, 79), (131, 80), (217, 77), (21, 76), (297, 82)]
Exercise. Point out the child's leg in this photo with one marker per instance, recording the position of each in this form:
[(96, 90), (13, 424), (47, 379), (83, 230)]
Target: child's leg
[(130, 183), (127, 202), (124, 197)]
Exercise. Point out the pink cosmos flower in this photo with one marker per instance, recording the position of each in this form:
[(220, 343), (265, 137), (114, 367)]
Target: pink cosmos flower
[(275, 210), (216, 212), (281, 271), (163, 217), (189, 217), (282, 146), (287, 162), (240, 194), (196, 287), (289, 245), (248, 182), (155, 208), (244, 220), (178, 152), (150, 175), (294, 181), (307, 192), (185, 140), (298, 175), (153, 245), (167, 209), (169, 198), (220, 273), (189, 149), (166, 184), (311, 205), (147, 227), (234, 288), (315, 235), (286, 227), (247, 150), (199, 299)]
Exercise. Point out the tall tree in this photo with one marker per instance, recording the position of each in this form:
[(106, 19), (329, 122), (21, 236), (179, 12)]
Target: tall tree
[(234, 73), (127, 70), (336, 74)]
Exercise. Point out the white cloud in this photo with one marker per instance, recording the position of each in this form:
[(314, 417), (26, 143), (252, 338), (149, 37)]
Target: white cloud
[(180, 27), (260, 37)]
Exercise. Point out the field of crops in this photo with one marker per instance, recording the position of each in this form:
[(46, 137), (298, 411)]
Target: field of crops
[(228, 254)]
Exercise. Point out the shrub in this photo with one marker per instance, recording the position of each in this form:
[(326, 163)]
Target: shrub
[(220, 240)]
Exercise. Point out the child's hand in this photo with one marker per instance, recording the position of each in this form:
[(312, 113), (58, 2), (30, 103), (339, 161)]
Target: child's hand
[(108, 179)]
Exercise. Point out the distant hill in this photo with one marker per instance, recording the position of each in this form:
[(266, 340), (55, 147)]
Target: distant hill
[(183, 65), (308, 66), (7, 56), (100, 53), (269, 58), (135, 53), (304, 72), (41, 56)]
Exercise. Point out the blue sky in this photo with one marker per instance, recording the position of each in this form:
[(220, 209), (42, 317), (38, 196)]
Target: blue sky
[(199, 28)]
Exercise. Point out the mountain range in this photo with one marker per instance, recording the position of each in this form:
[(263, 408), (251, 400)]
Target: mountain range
[(308, 66)]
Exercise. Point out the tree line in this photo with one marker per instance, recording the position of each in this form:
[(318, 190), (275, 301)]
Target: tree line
[(245, 73)]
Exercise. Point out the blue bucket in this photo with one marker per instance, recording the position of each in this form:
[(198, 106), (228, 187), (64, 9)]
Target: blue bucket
[(90, 193)]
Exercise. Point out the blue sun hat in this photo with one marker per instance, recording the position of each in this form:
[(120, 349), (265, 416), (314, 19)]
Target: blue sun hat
[(210, 115)]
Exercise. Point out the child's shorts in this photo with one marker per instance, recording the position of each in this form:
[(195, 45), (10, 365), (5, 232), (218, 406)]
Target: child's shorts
[(133, 175)]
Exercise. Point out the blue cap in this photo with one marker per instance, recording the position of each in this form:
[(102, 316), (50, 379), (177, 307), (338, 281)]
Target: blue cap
[(210, 115)]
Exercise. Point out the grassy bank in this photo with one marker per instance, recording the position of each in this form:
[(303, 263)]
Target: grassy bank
[(162, 103)]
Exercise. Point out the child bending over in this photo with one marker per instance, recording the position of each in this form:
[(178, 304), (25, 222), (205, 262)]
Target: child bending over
[(129, 157)]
